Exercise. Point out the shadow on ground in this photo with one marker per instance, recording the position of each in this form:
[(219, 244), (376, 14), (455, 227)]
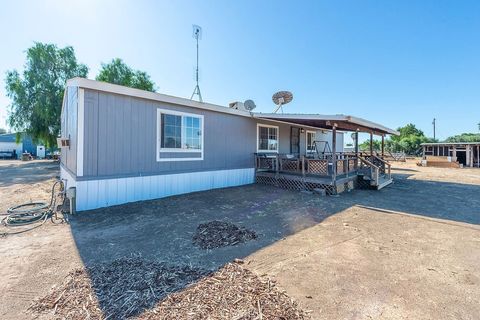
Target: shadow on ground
[(25, 173), (163, 229)]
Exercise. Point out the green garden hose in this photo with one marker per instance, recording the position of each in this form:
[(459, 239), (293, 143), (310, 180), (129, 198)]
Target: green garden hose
[(35, 213)]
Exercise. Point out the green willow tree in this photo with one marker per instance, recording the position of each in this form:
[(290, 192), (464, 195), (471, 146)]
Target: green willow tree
[(37, 93), (464, 137), (408, 141), (118, 72)]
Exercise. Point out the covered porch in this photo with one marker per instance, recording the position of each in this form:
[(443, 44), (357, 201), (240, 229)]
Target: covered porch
[(321, 166)]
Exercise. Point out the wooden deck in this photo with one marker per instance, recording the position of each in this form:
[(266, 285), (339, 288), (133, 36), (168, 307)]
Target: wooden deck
[(334, 173)]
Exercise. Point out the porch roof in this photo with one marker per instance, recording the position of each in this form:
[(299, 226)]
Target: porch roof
[(342, 122)]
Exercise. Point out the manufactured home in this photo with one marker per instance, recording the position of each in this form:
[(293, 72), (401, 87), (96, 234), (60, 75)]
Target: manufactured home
[(122, 145)]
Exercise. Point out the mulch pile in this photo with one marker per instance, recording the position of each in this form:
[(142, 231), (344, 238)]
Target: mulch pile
[(116, 290), (232, 292), (216, 234)]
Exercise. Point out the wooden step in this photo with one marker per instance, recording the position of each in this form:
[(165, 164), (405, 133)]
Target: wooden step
[(383, 183)]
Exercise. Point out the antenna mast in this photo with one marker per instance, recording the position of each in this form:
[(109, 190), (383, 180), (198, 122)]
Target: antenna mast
[(197, 34)]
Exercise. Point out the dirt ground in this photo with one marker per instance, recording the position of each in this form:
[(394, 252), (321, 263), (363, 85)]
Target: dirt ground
[(409, 251)]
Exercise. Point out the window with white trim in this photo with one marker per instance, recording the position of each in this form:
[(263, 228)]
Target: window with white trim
[(267, 138), (310, 141), (179, 132)]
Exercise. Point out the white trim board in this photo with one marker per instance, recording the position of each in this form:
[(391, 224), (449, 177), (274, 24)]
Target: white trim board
[(93, 194), (306, 140), (173, 150), (80, 129), (258, 136), (68, 179)]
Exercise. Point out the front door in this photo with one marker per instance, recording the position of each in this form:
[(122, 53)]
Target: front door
[(295, 140)]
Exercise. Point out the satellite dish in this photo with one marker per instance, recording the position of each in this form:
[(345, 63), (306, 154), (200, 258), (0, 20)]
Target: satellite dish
[(280, 98), (249, 105)]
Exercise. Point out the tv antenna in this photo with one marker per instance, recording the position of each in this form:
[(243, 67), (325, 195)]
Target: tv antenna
[(280, 98), (197, 35)]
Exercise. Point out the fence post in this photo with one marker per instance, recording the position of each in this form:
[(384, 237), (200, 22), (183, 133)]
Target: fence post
[(334, 155)]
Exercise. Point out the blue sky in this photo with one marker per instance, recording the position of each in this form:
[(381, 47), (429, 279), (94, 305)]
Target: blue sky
[(392, 62)]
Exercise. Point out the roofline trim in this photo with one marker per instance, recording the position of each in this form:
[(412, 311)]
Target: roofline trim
[(118, 89), (340, 117)]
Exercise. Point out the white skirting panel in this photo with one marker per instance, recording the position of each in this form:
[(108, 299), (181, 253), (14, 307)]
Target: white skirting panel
[(67, 178), (92, 194)]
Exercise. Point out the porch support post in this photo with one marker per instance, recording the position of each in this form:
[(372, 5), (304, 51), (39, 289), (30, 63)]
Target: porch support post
[(467, 156), (371, 144), (383, 146), (356, 149), (471, 155), (356, 143), (478, 155), (334, 155)]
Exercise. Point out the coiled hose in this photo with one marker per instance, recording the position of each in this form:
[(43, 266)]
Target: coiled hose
[(36, 212)]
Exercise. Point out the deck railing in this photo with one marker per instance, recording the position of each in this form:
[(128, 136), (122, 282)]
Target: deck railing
[(329, 165)]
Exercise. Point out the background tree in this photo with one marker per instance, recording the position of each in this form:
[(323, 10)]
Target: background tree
[(464, 137), (118, 72), (37, 94), (408, 141), (2, 131)]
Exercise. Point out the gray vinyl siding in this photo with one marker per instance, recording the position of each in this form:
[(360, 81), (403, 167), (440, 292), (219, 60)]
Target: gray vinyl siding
[(120, 138), (69, 129), (121, 132)]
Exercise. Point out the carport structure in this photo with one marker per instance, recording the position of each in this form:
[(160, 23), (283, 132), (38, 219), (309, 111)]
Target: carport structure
[(332, 170)]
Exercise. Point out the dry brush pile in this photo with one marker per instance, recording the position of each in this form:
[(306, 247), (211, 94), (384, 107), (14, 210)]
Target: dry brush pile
[(232, 292)]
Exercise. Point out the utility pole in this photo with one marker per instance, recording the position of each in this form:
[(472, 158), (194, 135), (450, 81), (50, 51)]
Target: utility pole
[(434, 123)]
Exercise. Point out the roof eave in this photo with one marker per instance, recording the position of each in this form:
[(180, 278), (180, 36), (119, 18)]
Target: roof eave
[(160, 97), (345, 118)]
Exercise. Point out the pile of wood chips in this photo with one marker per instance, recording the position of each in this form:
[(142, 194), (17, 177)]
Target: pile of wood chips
[(117, 290), (232, 292), (216, 234)]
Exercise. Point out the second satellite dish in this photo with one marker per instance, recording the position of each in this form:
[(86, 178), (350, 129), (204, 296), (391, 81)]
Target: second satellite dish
[(249, 105), (280, 98)]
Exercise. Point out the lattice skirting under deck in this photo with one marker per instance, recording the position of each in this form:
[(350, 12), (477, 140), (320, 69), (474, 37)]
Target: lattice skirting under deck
[(292, 184)]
